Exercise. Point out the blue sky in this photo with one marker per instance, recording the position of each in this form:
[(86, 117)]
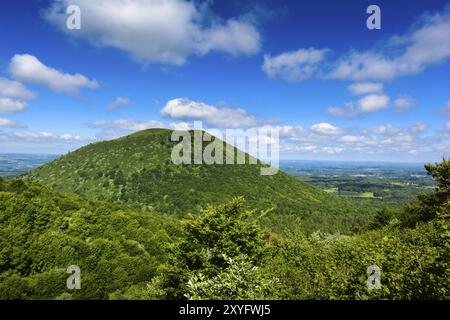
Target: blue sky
[(335, 89)]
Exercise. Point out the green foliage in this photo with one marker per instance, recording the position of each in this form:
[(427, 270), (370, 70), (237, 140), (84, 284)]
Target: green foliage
[(413, 255), (239, 280), (218, 257), (428, 205), (227, 229), (43, 232), (414, 265), (384, 217)]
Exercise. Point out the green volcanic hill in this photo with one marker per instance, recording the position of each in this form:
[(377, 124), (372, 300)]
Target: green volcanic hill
[(137, 171)]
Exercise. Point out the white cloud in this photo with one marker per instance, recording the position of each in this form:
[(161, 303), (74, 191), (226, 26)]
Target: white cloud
[(351, 139), (294, 66), (42, 136), (363, 66), (128, 124), (365, 88), (286, 131), (403, 103), (325, 129), (8, 105), (387, 129), (118, 128), (14, 89), (372, 103), (399, 140), (367, 104), (428, 44), (447, 125), (10, 124), (12, 96), (234, 37), (330, 150), (419, 127), (446, 109), (185, 109), (40, 142), (29, 69), (310, 148), (182, 126), (155, 31), (381, 142), (119, 102)]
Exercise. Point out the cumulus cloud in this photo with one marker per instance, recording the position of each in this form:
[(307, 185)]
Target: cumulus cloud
[(372, 103), (367, 104), (315, 149), (404, 103), (185, 109), (286, 131), (362, 88), (182, 126), (119, 102), (294, 66), (130, 125), (39, 136), (118, 128), (27, 68), (12, 96), (10, 124), (383, 141), (325, 129), (351, 138), (14, 89), (419, 127), (8, 105), (387, 129), (427, 44), (155, 31)]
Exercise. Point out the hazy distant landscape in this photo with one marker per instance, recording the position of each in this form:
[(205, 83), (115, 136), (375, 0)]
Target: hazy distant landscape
[(377, 182), (16, 164)]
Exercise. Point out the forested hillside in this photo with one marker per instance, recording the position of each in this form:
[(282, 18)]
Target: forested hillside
[(225, 254), (137, 171), (43, 232)]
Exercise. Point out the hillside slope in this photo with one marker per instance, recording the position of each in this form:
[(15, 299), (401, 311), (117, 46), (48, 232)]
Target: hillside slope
[(43, 232), (137, 170)]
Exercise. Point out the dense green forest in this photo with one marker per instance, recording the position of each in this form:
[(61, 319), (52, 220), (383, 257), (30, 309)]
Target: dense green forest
[(236, 247), (42, 232), (221, 253), (137, 171)]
